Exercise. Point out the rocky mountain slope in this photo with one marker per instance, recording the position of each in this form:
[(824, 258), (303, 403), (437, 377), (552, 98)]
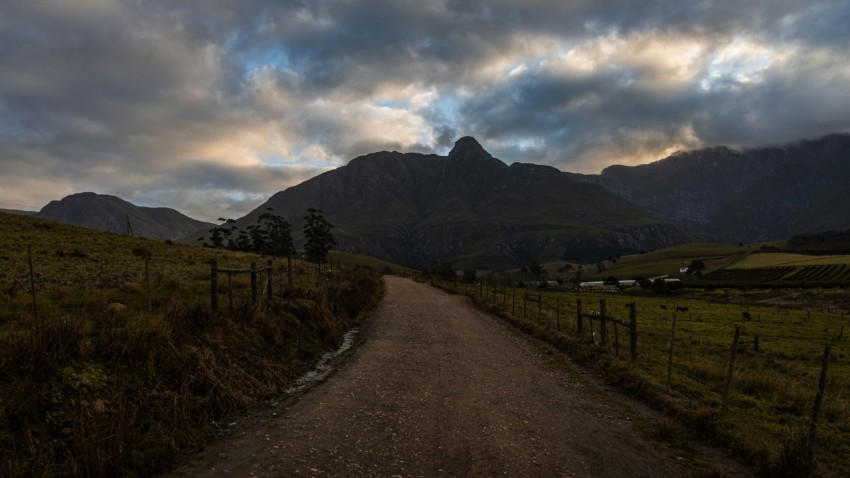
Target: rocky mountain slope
[(110, 213), (469, 209), (743, 196)]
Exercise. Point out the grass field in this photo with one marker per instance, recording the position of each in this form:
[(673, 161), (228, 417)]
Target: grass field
[(772, 390), (785, 259), (119, 365), (661, 262), (735, 266)]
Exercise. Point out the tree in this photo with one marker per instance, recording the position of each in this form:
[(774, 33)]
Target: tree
[(469, 275), (697, 265), (318, 237), (219, 233), (259, 238), (535, 269), (278, 234), (443, 270), (242, 242)]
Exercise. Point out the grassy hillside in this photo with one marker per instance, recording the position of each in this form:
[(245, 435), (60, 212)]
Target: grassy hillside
[(670, 259), (116, 372)]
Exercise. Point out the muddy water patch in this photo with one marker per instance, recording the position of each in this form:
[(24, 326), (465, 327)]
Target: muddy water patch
[(324, 366)]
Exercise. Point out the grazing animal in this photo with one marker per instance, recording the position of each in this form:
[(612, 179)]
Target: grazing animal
[(680, 308), (747, 316), (663, 307)]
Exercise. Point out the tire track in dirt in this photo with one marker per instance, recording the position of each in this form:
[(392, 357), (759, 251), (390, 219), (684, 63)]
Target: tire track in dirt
[(438, 389)]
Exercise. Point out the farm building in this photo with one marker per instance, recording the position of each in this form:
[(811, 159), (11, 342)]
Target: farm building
[(598, 286)]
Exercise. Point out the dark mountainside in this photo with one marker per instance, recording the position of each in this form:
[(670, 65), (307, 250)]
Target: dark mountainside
[(109, 213), (743, 196), (469, 209), (830, 242)]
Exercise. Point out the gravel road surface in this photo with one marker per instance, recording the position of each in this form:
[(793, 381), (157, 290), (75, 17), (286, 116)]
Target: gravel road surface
[(435, 389)]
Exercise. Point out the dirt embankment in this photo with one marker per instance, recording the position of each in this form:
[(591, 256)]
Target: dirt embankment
[(438, 389)]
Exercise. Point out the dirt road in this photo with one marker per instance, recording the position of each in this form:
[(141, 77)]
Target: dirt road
[(438, 389)]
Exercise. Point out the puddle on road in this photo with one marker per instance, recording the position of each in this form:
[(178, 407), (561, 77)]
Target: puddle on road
[(323, 367)]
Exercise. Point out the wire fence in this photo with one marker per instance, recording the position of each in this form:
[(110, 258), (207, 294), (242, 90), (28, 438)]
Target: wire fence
[(35, 288), (684, 345)]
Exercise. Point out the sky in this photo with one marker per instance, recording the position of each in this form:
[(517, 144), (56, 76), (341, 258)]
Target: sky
[(212, 106)]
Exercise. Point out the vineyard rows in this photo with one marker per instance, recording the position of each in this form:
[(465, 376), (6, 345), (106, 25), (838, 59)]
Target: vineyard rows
[(816, 276)]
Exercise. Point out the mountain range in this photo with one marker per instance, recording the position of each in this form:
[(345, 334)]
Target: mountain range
[(110, 213), (475, 211), (732, 196), (469, 209)]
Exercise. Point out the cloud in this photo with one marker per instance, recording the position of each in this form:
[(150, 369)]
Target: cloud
[(212, 107)]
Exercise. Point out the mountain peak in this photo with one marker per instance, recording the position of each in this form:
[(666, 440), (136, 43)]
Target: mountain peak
[(468, 147)]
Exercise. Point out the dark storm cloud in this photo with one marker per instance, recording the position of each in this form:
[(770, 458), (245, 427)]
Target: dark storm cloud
[(211, 107)]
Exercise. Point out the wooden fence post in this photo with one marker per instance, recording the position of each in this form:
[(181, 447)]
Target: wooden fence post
[(616, 341), (633, 331), (813, 424), (230, 293), (558, 312), (524, 304), (579, 325), (513, 300), (540, 307), (289, 270), (269, 290), (253, 284), (213, 285), (32, 289), (603, 329), (731, 368), (670, 353), (148, 280)]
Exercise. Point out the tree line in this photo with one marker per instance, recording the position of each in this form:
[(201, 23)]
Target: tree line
[(271, 235)]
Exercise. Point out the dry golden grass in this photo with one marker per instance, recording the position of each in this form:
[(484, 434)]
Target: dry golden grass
[(90, 388)]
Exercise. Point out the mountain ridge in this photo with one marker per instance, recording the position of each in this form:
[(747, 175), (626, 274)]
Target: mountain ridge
[(111, 213), (468, 208), (731, 196)]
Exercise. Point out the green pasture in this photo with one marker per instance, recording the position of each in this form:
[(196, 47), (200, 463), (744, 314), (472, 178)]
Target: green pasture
[(769, 259), (772, 390), (669, 260)]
